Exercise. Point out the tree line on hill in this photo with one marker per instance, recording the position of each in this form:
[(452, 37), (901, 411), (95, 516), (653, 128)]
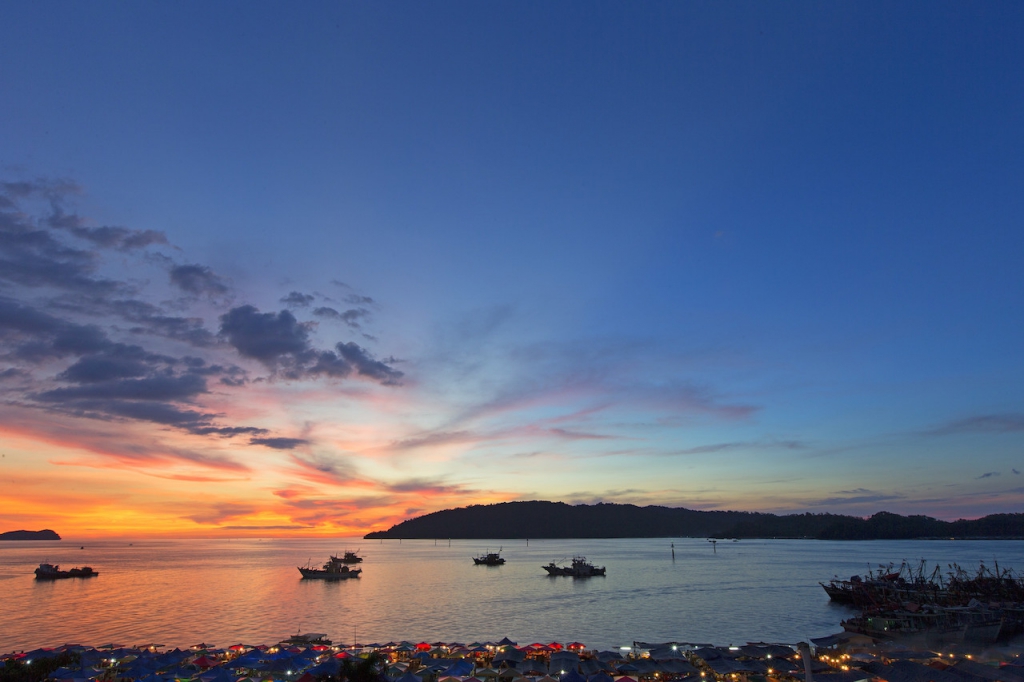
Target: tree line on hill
[(558, 520)]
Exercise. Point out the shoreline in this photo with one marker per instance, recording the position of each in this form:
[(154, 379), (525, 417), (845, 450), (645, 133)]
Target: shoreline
[(312, 657)]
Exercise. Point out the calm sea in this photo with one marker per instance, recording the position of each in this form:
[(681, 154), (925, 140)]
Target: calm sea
[(223, 592)]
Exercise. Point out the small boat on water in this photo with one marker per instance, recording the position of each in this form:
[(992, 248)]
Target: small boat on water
[(580, 568), (348, 558), (307, 640), (334, 569), (52, 572), (489, 559)]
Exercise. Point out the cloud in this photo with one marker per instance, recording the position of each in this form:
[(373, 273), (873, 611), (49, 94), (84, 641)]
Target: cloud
[(984, 423), (88, 350), (120, 361), (578, 435), (349, 317), (367, 366), (271, 338), (221, 512), (264, 528), (855, 496), (198, 280), (119, 238), (425, 486), (154, 388), (279, 443), (152, 320), (736, 445), (282, 344), (435, 438), (331, 469), (298, 299), (192, 421), (31, 335), (988, 474), (33, 255)]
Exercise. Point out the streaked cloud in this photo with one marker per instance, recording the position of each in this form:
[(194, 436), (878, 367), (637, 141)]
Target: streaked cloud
[(1009, 422)]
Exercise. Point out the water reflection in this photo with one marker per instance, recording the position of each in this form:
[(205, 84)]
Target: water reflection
[(242, 590)]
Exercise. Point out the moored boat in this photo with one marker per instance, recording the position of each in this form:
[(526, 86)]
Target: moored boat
[(580, 568), (348, 558), (489, 559), (52, 572), (334, 569)]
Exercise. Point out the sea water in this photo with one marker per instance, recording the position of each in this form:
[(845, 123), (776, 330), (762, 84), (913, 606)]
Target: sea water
[(229, 591)]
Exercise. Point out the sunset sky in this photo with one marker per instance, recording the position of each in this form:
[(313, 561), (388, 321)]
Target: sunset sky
[(315, 268)]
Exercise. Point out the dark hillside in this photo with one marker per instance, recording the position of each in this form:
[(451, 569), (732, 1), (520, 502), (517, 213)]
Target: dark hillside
[(559, 520)]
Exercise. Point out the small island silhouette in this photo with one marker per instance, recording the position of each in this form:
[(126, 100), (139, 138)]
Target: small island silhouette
[(45, 534)]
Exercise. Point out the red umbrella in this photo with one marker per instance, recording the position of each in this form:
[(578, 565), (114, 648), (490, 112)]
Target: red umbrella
[(575, 645), (206, 662), (423, 646), (556, 646)]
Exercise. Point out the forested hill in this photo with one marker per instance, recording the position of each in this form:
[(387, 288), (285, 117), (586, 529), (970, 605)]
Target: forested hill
[(559, 520)]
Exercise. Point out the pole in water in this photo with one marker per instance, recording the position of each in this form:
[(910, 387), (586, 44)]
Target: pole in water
[(673, 551), (714, 545)]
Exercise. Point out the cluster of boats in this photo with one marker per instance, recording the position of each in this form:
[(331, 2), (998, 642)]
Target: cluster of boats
[(981, 607), (52, 572), (579, 568), (336, 568)]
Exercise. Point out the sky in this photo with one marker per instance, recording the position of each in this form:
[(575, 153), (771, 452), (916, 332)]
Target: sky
[(314, 269)]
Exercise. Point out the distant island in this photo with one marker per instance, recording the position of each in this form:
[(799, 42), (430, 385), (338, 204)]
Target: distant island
[(557, 520), (29, 535)]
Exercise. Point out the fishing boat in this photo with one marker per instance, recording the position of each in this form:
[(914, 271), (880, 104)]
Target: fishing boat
[(334, 569), (52, 572), (889, 588), (307, 640), (580, 568), (348, 558), (934, 627), (489, 559)]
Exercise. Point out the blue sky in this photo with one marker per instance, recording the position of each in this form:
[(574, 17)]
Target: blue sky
[(718, 255)]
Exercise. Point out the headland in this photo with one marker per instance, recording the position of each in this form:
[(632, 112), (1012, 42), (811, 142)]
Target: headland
[(45, 534), (558, 520)]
